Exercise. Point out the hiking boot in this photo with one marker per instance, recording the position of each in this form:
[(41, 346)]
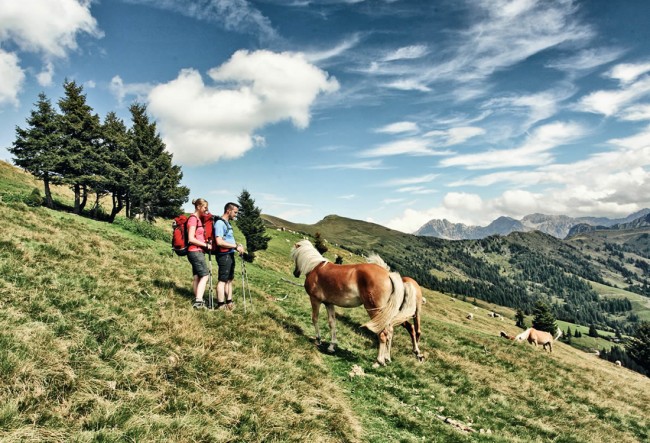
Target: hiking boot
[(198, 304)]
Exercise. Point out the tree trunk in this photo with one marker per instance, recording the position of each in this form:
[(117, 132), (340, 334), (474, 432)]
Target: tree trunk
[(48, 193), (77, 192), (118, 204), (94, 211), (84, 198)]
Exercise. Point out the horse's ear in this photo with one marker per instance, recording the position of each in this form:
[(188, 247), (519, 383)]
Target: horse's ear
[(297, 245)]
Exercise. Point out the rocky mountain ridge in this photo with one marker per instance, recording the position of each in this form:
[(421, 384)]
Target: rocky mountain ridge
[(559, 226)]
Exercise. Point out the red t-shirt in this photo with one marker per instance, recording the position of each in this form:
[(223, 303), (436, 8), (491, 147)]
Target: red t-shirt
[(199, 234)]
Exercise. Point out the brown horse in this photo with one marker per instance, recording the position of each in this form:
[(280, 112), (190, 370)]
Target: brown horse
[(539, 337), (382, 294)]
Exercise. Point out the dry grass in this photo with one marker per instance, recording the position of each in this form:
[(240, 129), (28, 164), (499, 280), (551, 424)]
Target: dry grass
[(98, 343)]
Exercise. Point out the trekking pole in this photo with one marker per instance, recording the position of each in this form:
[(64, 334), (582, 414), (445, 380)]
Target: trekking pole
[(211, 290), (244, 283)]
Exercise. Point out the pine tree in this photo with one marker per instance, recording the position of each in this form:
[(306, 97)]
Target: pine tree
[(36, 149), (593, 332), (543, 319), (80, 136), (520, 319), (319, 244), (639, 345), (250, 222), (119, 166), (155, 189)]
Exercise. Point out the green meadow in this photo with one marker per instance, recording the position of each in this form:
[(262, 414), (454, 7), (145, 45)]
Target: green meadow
[(98, 343)]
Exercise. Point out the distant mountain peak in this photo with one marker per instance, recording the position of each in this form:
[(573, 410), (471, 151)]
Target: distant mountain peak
[(559, 226)]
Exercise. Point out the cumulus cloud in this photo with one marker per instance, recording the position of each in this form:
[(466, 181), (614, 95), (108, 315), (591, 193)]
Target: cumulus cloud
[(48, 28), (121, 90), (12, 78), (204, 123)]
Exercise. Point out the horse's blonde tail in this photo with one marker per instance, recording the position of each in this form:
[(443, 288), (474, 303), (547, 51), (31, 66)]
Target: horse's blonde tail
[(376, 259), (559, 334), (409, 305), (387, 313)]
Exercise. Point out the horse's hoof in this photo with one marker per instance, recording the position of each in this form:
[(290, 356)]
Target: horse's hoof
[(331, 349), (420, 357), (375, 365)]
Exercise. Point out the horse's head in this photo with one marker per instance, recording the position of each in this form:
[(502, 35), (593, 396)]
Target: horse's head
[(296, 270)]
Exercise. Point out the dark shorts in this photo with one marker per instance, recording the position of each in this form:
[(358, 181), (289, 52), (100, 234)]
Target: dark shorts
[(197, 260), (226, 264)]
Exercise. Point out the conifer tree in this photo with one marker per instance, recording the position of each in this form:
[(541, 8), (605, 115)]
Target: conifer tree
[(80, 136), (319, 244), (36, 148), (639, 346), (520, 319), (250, 222), (543, 319), (155, 187), (119, 166)]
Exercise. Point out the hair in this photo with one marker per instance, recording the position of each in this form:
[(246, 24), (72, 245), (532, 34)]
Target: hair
[(229, 206), (198, 202)]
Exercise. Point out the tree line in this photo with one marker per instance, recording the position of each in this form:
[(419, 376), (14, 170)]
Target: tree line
[(95, 158)]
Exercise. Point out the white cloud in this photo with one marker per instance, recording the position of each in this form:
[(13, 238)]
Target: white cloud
[(120, 90), (12, 78), (534, 151), (611, 102), (636, 113), (202, 124), (233, 15), (626, 73), (341, 48), (366, 165), (407, 53), (48, 28), (455, 136), (45, 76), (411, 180), (410, 146), (398, 127), (587, 59)]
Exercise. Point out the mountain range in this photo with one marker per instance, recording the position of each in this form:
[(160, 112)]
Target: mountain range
[(559, 226)]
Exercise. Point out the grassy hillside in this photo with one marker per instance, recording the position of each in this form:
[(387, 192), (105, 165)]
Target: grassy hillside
[(98, 343)]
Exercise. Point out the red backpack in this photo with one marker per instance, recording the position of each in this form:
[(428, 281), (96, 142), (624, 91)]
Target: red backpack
[(179, 235)]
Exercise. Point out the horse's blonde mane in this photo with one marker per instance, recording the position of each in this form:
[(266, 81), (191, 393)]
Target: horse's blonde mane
[(524, 335), (306, 256)]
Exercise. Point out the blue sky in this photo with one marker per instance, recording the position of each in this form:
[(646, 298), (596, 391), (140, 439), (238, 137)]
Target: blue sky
[(390, 111)]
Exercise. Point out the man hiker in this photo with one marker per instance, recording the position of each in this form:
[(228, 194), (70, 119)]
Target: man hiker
[(227, 246)]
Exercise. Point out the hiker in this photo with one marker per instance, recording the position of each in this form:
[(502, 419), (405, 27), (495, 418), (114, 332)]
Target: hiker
[(226, 248), (195, 251)]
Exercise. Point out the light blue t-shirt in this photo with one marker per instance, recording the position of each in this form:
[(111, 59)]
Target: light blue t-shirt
[(223, 229)]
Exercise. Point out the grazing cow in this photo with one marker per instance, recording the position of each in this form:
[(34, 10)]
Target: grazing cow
[(539, 337), (618, 363)]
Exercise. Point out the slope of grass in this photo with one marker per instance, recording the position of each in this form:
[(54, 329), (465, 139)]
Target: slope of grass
[(98, 343)]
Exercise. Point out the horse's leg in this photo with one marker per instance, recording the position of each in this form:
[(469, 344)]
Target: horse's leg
[(415, 338), (315, 307), (383, 339), (331, 318), (389, 342)]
